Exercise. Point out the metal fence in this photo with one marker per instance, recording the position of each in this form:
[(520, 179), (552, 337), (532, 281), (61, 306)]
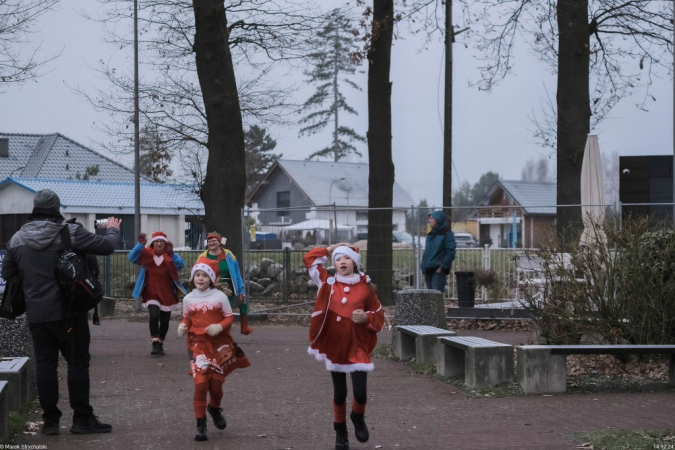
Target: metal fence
[(276, 240)]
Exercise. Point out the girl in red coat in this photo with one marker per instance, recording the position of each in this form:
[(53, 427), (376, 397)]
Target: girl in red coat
[(207, 319), (346, 317)]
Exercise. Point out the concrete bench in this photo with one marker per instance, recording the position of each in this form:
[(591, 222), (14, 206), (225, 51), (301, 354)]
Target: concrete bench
[(418, 341), (483, 362), (4, 412), (15, 372), (543, 368)]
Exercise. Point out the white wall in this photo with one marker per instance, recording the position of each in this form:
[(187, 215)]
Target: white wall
[(15, 200), (172, 226)]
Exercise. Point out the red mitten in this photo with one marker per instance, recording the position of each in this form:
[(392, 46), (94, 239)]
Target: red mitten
[(169, 248), (143, 238)]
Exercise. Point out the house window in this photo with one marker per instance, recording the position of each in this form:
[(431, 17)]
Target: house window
[(362, 215), (283, 201)]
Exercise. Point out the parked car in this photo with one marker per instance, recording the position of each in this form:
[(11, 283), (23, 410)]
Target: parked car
[(465, 240)]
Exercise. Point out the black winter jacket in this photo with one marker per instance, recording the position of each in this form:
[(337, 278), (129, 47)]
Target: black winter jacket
[(32, 254)]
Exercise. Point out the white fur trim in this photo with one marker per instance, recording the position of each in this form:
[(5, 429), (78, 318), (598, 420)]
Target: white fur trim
[(161, 307), (346, 368), (349, 279), (204, 268), (157, 238), (343, 250)]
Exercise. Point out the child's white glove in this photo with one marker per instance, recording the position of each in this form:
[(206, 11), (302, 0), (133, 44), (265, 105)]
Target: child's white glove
[(214, 329), (182, 329)]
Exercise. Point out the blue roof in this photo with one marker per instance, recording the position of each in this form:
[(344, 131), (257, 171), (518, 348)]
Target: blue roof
[(55, 156), (112, 195), (315, 178)]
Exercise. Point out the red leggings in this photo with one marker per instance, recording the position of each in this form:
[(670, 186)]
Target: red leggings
[(214, 387)]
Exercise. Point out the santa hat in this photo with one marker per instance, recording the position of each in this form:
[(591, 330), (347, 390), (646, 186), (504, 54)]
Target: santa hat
[(207, 266), (348, 251), (158, 236), (215, 235)]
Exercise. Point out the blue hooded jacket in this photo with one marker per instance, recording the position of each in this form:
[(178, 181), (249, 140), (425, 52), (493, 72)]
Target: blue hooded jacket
[(440, 246)]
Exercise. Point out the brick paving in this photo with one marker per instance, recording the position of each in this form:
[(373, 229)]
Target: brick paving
[(284, 402)]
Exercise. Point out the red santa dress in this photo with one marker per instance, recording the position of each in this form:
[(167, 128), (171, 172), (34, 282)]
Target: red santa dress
[(342, 344), (211, 356)]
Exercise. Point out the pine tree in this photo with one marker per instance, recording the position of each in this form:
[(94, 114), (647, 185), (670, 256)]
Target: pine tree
[(259, 156), (332, 65), (154, 155)]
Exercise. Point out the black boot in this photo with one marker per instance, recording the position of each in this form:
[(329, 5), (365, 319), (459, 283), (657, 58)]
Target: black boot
[(341, 436), (160, 348), (217, 416), (201, 430), (360, 428), (155, 348)]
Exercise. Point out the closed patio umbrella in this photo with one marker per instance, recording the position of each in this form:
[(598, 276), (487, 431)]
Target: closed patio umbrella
[(592, 193)]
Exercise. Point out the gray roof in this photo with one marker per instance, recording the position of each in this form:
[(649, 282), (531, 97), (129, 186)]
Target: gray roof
[(55, 156), (109, 196), (315, 178), (535, 197)]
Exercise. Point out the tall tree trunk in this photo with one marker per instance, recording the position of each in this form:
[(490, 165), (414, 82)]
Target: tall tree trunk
[(381, 177), (447, 127), (574, 112), (225, 183)]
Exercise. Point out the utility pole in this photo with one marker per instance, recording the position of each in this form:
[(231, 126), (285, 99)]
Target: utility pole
[(137, 157), (447, 127)]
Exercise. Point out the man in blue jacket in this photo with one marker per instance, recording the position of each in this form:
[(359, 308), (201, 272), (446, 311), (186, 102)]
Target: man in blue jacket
[(439, 252)]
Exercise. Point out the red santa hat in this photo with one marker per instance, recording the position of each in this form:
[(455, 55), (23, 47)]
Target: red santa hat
[(215, 235), (352, 252), (158, 236), (206, 265)]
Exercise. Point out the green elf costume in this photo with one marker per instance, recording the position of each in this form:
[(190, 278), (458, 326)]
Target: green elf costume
[(229, 273)]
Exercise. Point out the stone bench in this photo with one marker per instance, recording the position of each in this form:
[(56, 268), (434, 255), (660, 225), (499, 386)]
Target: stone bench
[(483, 362), (543, 368), (418, 341), (4, 412), (15, 372)]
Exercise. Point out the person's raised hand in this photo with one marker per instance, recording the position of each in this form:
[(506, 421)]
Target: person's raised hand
[(143, 238), (114, 222), (169, 248)]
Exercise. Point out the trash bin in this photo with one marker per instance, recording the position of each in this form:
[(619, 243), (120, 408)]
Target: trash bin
[(466, 289)]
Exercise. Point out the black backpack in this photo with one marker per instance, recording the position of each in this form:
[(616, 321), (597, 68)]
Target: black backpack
[(13, 299), (81, 289)]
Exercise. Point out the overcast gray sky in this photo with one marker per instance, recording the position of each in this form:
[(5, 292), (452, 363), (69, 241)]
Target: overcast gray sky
[(492, 131)]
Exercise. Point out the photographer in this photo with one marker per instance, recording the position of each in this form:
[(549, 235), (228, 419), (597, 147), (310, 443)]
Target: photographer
[(32, 254)]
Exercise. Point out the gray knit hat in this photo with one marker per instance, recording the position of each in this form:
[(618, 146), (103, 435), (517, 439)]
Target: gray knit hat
[(46, 202)]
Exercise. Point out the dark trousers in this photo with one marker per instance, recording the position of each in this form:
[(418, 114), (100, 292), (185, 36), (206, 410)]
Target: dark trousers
[(48, 339), (359, 384), (435, 280), (159, 322)]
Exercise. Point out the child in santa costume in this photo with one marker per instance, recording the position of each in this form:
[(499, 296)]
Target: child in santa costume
[(158, 283), (229, 274), (346, 317), (207, 319)]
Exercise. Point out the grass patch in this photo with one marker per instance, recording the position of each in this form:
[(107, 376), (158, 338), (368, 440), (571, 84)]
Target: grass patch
[(628, 439), (18, 419)]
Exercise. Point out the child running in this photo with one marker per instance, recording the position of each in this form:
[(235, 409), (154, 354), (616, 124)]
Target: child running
[(346, 317), (207, 319)]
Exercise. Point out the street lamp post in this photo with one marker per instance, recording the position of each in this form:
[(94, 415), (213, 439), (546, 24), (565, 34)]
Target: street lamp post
[(330, 234)]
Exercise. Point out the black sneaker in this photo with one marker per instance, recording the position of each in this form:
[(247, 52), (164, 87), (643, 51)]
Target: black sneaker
[(155, 348), (91, 426), (50, 428), (160, 349), (217, 416)]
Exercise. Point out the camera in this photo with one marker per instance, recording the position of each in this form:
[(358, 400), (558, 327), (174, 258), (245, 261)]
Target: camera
[(626, 171), (101, 224)]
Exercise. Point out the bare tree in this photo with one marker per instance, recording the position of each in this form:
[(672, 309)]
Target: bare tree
[(536, 170), (17, 18), (263, 36), (602, 50)]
